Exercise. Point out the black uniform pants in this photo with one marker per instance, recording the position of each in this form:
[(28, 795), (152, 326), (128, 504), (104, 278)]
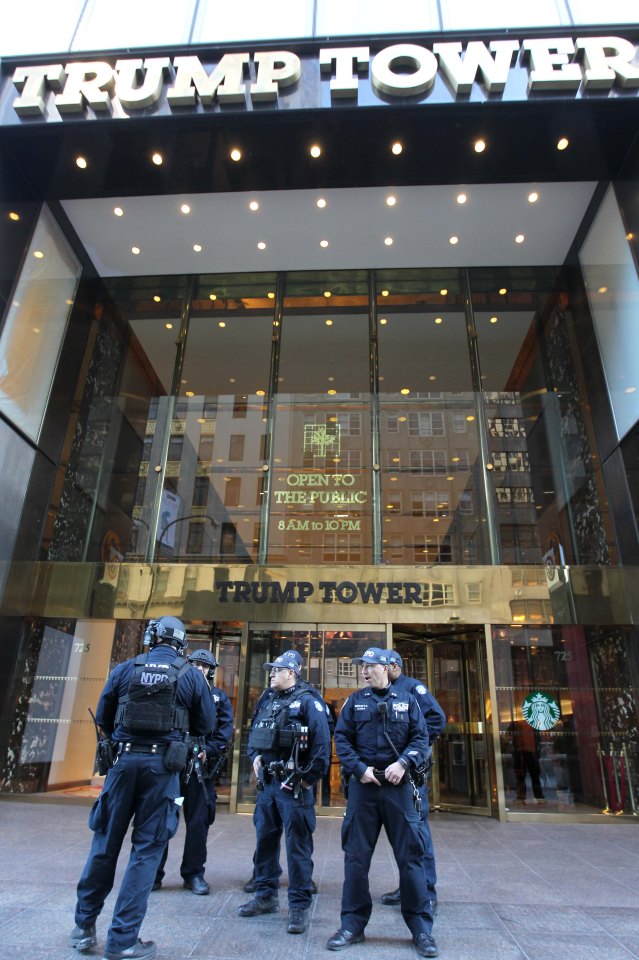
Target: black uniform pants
[(199, 814), (278, 810), (369, 809)]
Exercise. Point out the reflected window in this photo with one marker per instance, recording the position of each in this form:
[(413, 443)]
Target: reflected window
[(371, 17), (119, 24), (39, 27), (592, 11), (219, 21), (467, 14)]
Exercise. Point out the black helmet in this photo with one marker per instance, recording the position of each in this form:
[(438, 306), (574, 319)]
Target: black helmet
[(203, 656), (166, 630)]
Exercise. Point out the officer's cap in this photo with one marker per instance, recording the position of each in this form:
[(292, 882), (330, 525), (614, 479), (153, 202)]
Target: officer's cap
[(287, 661), (396, 659), (294, 654), (374, 655)]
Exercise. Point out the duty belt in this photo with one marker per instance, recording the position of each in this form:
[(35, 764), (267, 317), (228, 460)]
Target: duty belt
[(381, 776), (129, 746)]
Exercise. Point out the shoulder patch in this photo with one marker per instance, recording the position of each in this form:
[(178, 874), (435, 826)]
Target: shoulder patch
[(318, 706), (420, 689)]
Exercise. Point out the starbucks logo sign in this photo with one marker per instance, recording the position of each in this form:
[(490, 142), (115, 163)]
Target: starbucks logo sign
[(540, 711)]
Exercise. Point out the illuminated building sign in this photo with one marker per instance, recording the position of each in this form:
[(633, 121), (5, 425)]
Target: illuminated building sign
[(354, 75), (333, 591)]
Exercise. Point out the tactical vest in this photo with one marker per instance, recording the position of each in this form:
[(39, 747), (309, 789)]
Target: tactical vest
[(269, 731), (148, 707)]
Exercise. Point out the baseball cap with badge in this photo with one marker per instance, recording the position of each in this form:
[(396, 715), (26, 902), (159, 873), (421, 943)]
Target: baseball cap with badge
[(395, 658), (373, 655), (287, 661)]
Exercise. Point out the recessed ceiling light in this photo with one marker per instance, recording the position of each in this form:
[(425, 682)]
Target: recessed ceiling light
[(331, 392), (391, 201), (118, 211), (315, 151), (236, 154), (519, 238), (169, 326), (323, 243), (602, 290), (630, 390), (385, 293), (231, 379), (503, 291), (157, 298), (135, 251), (330, 379), (327, 293), (397, 148), (401, 419), (462, 198), (455, 459), (453, 240), (388, 241), (157, 159), (479, 146), (470, 418), (81, 163), (329, 322), (254, 205), (221, 323), (629, 236), (185, 208), (383, 321), (405, 391), (321, 203), (189, 393), (261, 245), (197, 247), (493, 319), (270, 295), (212, 296), (439, 320), (533, 197), (38, 254), (37, 330), (260, 393), (563, 143), (443, 292), (14, 216), (432, 377)]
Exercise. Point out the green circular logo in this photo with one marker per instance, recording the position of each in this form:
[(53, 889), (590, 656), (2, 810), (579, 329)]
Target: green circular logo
[(540, 711)]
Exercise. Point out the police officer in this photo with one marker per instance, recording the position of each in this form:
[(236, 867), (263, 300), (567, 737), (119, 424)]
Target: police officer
[(250, 886), (289, 744), (435, 722), (381, 741), (198, 784), (147, 707)]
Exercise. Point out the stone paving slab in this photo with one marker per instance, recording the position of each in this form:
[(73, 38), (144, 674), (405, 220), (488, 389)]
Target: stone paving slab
[(508, 891)]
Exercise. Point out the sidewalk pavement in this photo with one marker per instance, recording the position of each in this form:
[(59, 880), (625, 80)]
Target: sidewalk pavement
[(507, 891)]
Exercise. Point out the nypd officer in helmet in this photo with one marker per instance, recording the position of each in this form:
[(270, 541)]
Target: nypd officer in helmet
[(199, 789), (147, 707), (289, 744), (382, 743)]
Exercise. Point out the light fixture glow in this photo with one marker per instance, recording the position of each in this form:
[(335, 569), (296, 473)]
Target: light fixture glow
[(157, 159), (388, 241), (321, 203), (189, 393), (493, 319), (503, 291), (432, 377), (519, 238), (197, 247), (563, 143), (169, 326), (135, 251), (461, 198), (630, 390), (118, 211), (14, 216), (315, 151), (405, 391), (254, 205), (331, 392), (260, 393), (479, 146), (453, 240), (327, 293), (261, 245), (439, 320), (323, 243), (385, 293), (81, 163), (443, 292), (212, 296), (470, 418), (391, 201), (157, 299), (602, 290), (221, 323), (185, 209), (397, 148), (329, 322), (38, 254), (270, 295), (383, 321), (533, 197), (236, 154)]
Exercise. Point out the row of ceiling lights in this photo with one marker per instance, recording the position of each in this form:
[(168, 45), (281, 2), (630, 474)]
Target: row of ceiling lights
[(315, 152)]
